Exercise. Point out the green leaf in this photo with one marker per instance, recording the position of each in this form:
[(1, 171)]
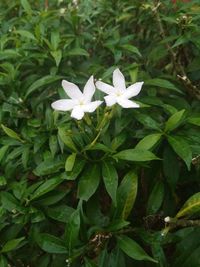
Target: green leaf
[(194, 120), (132, 249), (11, 133), (147, 121), (51, 244), (132, 49), (12, 244), (25, 156), (55, 39), (26, 34), (72, 230), (57, 55), (78, 52), (156, 198), (65, 136), (49, 166), (2, 180), (110, 178), (171, 166), (9, 53), (174, 121), (10, 203), (182, 148), (69, 164), (126, 194), (163, 84), (3, 151), (149, 141), (191, 206), (77, 169), (48, 79), (53, 144), (60, 213), (135, 155), (3, 261), (46, 187), (89, 182), (26, 6)]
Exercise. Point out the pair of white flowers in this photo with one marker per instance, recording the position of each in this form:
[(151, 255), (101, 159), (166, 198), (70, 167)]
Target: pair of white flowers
[(81, 102)]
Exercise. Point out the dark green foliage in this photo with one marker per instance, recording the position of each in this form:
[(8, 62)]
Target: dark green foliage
[(95, 192)]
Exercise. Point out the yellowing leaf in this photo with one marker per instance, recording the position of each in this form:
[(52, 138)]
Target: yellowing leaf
[(191, 206)]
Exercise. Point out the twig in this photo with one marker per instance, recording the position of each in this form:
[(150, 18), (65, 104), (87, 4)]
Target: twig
[(192, 90)]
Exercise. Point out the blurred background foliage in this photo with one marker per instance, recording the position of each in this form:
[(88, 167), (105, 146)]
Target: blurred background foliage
[(44, 221)]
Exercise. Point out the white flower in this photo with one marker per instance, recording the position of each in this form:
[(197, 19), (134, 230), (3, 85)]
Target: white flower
[(119, 93), (79, 102)]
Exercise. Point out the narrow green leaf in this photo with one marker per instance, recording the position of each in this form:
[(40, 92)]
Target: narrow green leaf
[(72, 230), (163, 84), (66, 138), (191, 206), (12, 244), (156, 198), (53, 144), (26, 34), (77, 169), (48, 79), (135, 155), (3, 151), (182, 148), (3, 261), (49, 166), (78, 52), (60, 213), (9, 202), (194, 120), (46, 187), (89, 182), (2, 180), (171, 166), (149, 141), (26, 6), (174, 121), (11, 133), (110, 178), (132, 249), (57, 55), (69, 164), (131, 49), (126, 194), (51, 244)]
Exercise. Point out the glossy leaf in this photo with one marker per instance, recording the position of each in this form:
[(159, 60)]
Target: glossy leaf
[(110, 178), (132, 249), (51, 244), (135, 155), (191, 206), (149, 141), (174, 121), (89, 182), (181, 147)]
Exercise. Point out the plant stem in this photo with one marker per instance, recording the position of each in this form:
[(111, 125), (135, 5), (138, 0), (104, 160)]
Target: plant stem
[(181, 74)]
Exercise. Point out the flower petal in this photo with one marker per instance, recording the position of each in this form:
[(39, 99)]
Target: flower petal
[(133, 90), (118, 80), (72, 90), (125, 103), (89, 89), (104, 87), (63, 104), (90, 107), (77, 113), (110, 100)]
